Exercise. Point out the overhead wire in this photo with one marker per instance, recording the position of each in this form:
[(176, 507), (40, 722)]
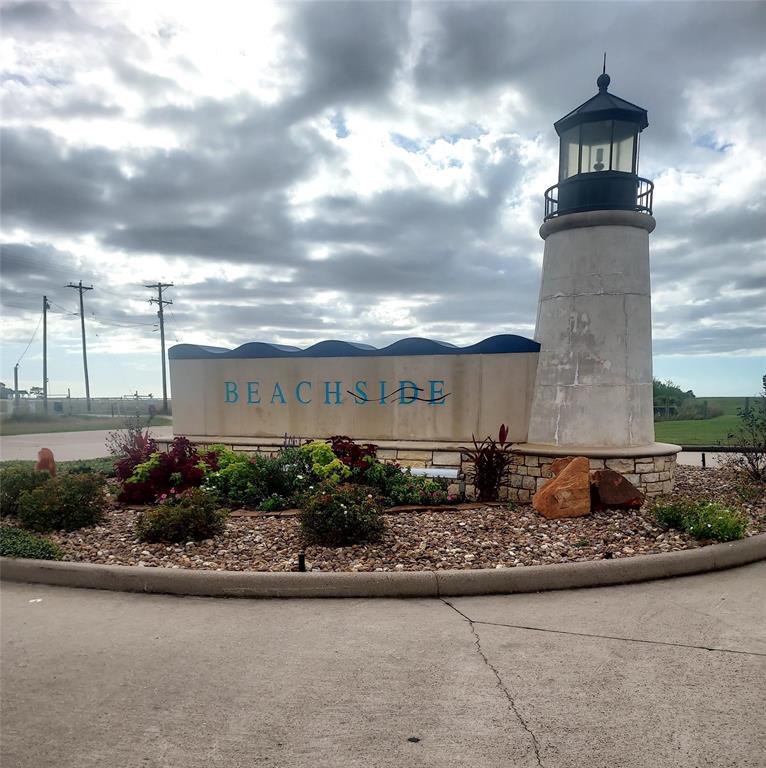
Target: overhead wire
[(120, 325), (37, 328), (173, 319), (68, 311)]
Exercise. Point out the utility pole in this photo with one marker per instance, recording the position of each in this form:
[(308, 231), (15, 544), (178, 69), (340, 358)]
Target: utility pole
[(16, 384), (46, 307), (80, 287), (160, 302)]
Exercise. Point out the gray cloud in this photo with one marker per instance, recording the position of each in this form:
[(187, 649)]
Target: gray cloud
[(348, 52), (706, 341), (29, 19), (47, 188)]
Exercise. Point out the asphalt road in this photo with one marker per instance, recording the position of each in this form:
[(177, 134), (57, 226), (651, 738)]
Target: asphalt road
[(668, 673), (66, 446)]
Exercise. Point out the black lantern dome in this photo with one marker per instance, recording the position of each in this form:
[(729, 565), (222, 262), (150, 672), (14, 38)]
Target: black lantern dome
[(598, 157)]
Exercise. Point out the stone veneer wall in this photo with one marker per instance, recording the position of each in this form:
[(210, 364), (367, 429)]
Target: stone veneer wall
[(653, 475)]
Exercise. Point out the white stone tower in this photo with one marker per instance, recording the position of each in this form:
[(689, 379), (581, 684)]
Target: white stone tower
[(593, 392)]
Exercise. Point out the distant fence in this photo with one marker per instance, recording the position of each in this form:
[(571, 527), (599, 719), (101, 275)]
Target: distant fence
[(719, 448), (703, 450), (77, 406)]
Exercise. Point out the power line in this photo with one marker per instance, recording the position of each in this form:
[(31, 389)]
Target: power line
[(68, 311), (121, 325), (37, 328), (174, 321)]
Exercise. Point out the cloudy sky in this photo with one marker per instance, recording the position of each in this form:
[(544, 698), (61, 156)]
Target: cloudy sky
[(361, 171)]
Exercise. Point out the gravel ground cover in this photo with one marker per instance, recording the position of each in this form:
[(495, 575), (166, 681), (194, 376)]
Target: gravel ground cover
[(483, 537)]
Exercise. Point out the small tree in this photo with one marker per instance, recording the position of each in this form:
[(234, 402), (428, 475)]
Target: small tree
[(751, 434)]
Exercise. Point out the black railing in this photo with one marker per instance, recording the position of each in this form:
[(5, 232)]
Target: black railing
[(551, 202), (645, 196), (644, 201)]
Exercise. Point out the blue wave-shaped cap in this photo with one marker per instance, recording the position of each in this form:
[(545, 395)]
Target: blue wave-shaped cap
[(495, 345)]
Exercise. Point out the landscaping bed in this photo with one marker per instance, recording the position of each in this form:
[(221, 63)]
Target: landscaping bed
[(486, 536)]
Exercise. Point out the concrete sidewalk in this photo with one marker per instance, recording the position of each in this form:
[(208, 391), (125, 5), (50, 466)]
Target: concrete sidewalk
[(66, 446), (669, 673)]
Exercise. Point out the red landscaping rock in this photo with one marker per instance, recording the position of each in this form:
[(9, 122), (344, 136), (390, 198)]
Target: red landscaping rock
[(568, 494), (610, 490), (46, 462)]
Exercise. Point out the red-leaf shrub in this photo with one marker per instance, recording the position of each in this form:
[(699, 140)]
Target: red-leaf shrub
[(356, 457), (491, 460), (180, 468), (133, 445)]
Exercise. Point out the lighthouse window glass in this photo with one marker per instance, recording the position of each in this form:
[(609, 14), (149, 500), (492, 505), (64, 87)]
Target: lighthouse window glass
[(596, 139), (569, 153), (622, 152)]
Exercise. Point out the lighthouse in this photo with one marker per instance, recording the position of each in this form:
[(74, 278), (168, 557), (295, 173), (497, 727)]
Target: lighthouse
[(593, 389)]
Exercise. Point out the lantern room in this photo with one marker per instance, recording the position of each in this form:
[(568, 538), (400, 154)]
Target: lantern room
[(598, 157)]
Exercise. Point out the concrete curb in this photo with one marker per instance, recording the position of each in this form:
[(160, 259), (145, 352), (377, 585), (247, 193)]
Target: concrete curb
[(536, 578)]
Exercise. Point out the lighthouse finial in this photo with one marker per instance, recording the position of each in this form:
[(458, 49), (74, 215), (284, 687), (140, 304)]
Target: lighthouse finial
[(603, 79)]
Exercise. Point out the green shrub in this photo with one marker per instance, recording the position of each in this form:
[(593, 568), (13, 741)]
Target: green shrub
[(64, 503), (274, 503), (15, 542), (249, 482), (238, 483), (189, 516), (714, 521), (673, 514), (287, 474), (324, 463), (401, 487), (226, 456), (703, 520), (339, 515), (14, 481)]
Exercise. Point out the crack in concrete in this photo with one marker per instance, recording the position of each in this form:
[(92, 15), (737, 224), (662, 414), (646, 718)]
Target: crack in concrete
[(500, 684), (610, 637)]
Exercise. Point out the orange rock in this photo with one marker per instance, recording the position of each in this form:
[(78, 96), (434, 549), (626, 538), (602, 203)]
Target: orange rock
[(568, 494), (559, 464), (46, 462)]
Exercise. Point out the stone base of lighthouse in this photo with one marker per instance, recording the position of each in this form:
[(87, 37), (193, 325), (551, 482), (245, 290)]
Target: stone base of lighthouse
[(593, 390), (650, 468)]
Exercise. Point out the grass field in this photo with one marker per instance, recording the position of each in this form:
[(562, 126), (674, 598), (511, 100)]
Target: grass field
[(34, 426), (697, 431), (703, 431), (104, 465), (728, 405)]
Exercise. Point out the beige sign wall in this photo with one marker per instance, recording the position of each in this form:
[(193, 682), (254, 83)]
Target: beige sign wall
[(418, 397)]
